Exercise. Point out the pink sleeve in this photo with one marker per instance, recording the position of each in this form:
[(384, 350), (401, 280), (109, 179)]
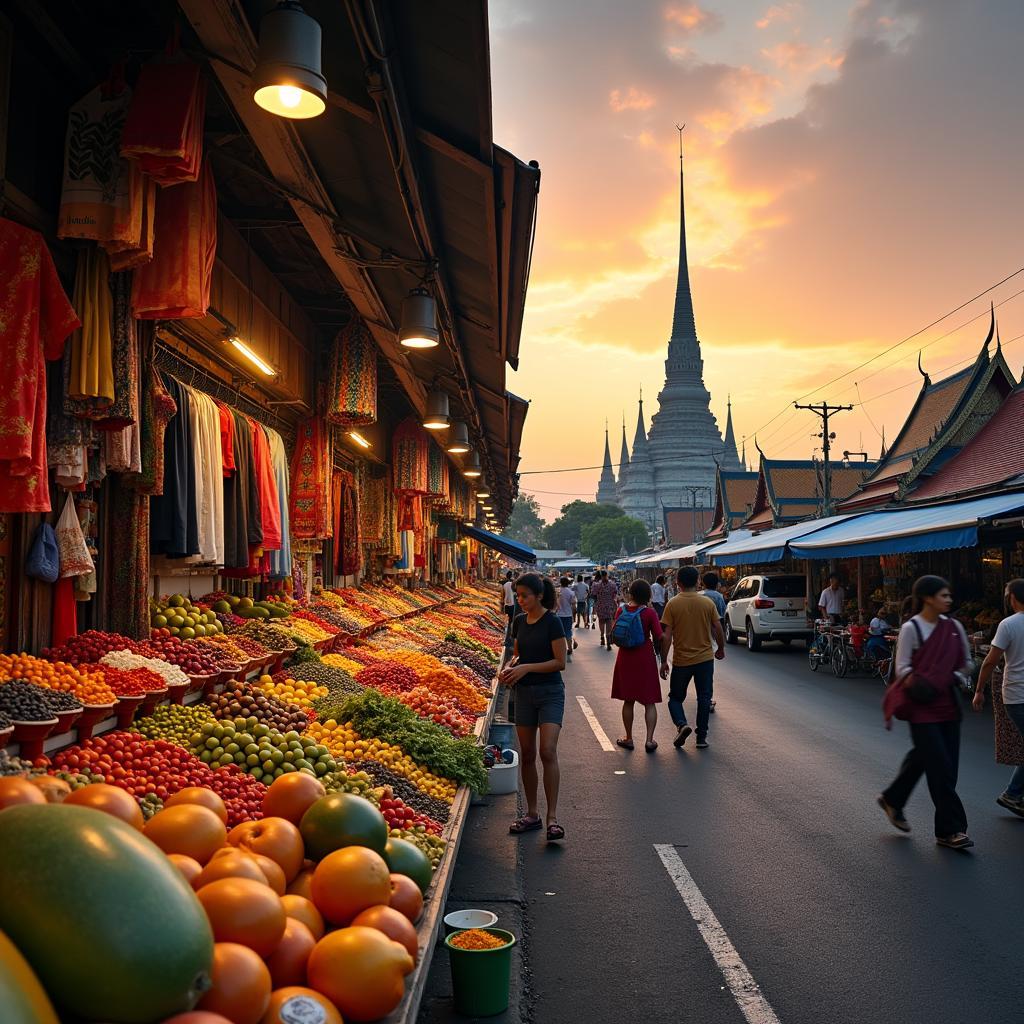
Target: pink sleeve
[(653, 624)]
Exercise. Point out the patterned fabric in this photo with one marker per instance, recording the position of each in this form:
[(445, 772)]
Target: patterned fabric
[(352, 401), (409, 457), (158, 407), (281, 561), (127, 560), (437, 470), (35, 319), (124, 410), (1009, 742), (372, 501), (346, 524), (309, 494)]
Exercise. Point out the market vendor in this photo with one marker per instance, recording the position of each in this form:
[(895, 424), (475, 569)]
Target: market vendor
[(832, 601)]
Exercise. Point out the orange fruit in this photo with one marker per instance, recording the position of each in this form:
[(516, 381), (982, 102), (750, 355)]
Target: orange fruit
[(235, 864), (241, 984), (190, 829), (287, 963), (275, 838), (244, 911), (406, 897), (394, 925), (302, 884), (202, 796), (272, 872), (303, 910), (349, 881), (295, 1003), (291, 795), (186, 865), (110, 800)]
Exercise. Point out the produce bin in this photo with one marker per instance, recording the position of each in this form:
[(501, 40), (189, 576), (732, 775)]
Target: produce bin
[(481, 977), (504, 777)]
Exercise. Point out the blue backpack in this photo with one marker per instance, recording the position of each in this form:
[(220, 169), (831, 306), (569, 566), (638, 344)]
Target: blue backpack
[(628, 630)]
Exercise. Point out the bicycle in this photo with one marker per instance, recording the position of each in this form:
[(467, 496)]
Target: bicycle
[(820, 651)]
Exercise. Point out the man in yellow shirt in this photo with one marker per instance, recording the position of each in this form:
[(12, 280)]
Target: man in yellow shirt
[(691, 620)]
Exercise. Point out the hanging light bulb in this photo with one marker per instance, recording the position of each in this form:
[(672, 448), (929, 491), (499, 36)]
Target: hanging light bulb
[(458, 443), (471, 465), (288, 80), (483, 492), (436, 417), (418, 327)]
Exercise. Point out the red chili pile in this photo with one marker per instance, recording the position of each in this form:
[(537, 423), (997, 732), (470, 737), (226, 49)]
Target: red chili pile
[(388, 677), (140, 766), (131, 682)]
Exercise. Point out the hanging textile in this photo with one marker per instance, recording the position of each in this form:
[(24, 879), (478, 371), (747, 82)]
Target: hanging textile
[(127, 560), (267, 486), (227, 439), (310, 484), (352, 400), (346, 523), (158, 408), (371, 504), (96, 197), (163, 129), (68, 437), (209, 490), (124, 410), (437, 470), (65, 611), (35, 319), (129, 255), (92, 347), (409, 456), (281, 560), (174, 523), (175, 285), (243, 517)]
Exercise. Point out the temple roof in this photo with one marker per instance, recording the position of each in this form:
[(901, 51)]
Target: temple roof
[(789, 490), (735, 494), (992, 459)]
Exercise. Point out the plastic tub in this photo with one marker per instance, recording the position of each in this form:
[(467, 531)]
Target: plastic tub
[(504, 777), (460, 920), (480, 977), (501, 734)]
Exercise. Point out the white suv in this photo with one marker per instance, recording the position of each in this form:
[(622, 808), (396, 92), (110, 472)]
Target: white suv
[(768, 608)]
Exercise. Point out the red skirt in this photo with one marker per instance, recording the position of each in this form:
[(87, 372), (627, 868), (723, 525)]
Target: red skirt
[(636, 675)]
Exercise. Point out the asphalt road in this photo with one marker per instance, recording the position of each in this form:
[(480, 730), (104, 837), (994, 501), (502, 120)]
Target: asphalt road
[(836, 916)]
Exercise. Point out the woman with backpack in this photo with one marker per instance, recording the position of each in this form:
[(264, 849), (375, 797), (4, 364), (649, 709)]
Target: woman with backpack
[(536, 672), (636, 632), (932, 648)]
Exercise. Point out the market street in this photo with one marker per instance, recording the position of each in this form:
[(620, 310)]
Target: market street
[(837, 916)]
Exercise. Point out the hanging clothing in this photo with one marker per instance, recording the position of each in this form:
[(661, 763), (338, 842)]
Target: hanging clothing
[(243, 521), (35, 319), (310, 489), (174, 526), (227, 439), (127, 559), (281, 560), (163, 129), (96, 197), (124, 409), (158, 409), (65, 611), (205, 425), (346, 524), (270, 508), (132, 254), (175, 285), (92, 370)]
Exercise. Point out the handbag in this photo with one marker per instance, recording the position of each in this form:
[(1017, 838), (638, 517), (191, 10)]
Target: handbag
[(43, 562), (75, 559)]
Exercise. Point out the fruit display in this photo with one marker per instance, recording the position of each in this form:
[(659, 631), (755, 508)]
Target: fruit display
[(247, 608), (129, 661), (258, 750), (181, 617), (269, 636), (173, 722), (23, 702), (88, 686), (299, 692), (242, 701), (193, 658)]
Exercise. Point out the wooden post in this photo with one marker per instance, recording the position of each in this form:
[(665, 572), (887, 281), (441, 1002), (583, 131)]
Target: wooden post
[(860, 587)]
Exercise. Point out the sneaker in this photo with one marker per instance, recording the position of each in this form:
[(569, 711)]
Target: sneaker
[(682, 735), (895, 816), (1014, 805), (702, 744), (961, 841)]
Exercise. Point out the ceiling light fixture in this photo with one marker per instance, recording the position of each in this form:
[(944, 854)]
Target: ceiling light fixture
[(471, 465), (263, 367), (418, 327), (436, 417), (483, 494), (288, 80), (458, 443), (359, 439)]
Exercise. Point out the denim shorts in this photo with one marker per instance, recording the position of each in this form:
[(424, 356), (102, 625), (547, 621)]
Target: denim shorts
[(540, 704)]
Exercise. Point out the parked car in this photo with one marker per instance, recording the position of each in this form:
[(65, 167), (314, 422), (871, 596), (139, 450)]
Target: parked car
[(768, 608)]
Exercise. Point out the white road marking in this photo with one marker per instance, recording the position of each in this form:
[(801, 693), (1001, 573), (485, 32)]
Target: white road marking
[(588, 713), (744, 989)]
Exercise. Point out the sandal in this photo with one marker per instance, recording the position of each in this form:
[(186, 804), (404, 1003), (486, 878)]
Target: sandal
[(651, 747), (524, 824), (555, 832), (625, 744)]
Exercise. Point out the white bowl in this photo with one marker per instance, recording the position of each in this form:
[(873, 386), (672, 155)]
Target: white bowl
[(459, 920)]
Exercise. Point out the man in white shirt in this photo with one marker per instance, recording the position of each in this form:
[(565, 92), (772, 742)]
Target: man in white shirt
[(508, 598), (658, 597), (1008, 646), (582, 592), (832, 601)]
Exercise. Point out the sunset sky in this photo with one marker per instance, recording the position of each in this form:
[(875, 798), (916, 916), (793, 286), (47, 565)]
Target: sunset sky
[(853, 172)]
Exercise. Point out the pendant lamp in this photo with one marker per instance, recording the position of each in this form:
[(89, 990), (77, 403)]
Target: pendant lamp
[(418, 328), (471, 465), (459, 444), (436, 417), (288, 80)]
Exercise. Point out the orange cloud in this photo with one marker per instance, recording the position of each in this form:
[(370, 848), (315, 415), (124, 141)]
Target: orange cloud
[(692, 18), (777, 13), (630, 99), (798, 56)]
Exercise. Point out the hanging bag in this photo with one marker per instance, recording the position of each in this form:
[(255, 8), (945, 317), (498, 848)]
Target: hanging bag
[(75, 559), (43, 561), (628, 630)]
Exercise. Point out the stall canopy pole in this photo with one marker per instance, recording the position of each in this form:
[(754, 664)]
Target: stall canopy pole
[(860, 587)]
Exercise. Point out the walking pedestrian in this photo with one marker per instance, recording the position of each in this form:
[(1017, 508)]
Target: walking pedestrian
[(931, 649), (582, 593), (508, 598), (710, 581), (658, 596), (536, 672), (606, 600), (691, 623), (590, 581), (565, 609), (1008, 647), (635, 679)]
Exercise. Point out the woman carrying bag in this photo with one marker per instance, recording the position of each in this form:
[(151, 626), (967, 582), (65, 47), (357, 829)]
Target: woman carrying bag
[(931, 650)]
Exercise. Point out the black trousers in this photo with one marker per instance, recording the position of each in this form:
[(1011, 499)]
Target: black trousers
[(936, 755)]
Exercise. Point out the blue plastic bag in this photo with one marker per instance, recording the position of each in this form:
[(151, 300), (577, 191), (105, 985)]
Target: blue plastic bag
[(43, 559)]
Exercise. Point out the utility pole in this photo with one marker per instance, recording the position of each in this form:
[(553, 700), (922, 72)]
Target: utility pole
[(823, 410)]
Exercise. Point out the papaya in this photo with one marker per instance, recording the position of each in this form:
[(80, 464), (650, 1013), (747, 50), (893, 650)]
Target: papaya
[(109, 925), (22, 997)]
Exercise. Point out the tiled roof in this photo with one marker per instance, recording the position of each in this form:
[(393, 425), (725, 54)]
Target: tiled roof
[(930, 412), (794, 482), (740, 492), (994, 455), (762, 521), (685, 525)]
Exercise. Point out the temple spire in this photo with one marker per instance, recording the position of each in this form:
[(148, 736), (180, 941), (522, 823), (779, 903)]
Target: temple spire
[(683, 325), (606, 485), (640, 437), (730, 460), (624, 453)]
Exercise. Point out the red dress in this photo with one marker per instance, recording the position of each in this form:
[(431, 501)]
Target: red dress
[(636, 668)]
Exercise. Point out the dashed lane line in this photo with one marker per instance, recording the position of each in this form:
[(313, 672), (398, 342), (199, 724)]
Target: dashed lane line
[(749, 998)]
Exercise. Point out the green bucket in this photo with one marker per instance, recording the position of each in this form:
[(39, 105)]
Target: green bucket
[(481, 977)]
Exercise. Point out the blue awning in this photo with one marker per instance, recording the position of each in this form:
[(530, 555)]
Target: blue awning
[(511, 548), (769, 546), (903, 530)]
